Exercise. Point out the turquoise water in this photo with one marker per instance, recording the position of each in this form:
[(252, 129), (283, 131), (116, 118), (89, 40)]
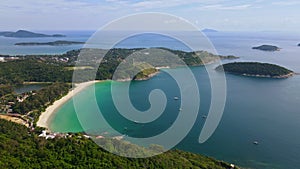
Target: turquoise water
[(266, 110)]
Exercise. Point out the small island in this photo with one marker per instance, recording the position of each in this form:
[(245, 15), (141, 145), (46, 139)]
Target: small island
[(55, 43), (256, 69), (27, 34), (270, 48), (209, 31)]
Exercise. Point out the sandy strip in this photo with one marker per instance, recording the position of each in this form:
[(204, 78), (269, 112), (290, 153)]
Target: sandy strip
[(14, 119), (45, 116)]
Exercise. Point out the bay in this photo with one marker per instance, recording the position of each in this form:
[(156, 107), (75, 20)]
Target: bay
[(266, 110)]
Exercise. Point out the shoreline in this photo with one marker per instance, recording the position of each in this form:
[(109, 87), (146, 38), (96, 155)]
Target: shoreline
[(50, 110), (267, 76)]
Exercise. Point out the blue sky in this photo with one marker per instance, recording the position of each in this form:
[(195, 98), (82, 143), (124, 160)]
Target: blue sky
[(227, 15)]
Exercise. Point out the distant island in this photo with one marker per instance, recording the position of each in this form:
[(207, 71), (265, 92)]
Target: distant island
[(55, 43), (267, 48), (209, 30), (27, 34), (256, 69)]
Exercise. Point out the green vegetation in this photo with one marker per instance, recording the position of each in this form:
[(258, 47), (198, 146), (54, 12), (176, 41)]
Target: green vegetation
[(55, 43), (145, 74), (256, 69), (5, 89), (20, 148), (33, 70), (31, 104), (56, 68), (37, 101), (267, 48)]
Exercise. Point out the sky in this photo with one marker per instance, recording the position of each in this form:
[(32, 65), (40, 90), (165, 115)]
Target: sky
[(225, 15)]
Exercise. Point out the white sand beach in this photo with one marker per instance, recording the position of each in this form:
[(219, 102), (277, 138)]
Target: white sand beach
[(45, 116)]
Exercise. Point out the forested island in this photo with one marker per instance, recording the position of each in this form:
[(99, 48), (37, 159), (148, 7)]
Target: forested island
[(55, 43), (270, 48), (256, 69), (27, 34)]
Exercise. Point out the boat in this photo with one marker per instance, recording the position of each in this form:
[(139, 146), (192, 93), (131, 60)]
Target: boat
[(255, 143), (176, 98)]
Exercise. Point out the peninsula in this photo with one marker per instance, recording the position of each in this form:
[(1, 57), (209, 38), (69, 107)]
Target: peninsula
[(27, 34), (256, 69), (270, 48), (55, 43)]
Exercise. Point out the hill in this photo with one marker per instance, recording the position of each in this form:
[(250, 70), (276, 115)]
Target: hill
[(20, 148), (256, 69), (55, 43), (267, 48), (27, 34)]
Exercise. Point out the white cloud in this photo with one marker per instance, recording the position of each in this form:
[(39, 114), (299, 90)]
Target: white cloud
[(222, 7), (286, 3), (92, 14)]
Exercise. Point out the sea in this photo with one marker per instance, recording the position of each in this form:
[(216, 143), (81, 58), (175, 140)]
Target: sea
[(256, 109)]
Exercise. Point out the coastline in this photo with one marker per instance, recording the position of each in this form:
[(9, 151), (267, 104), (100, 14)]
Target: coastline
[(50, 110), (267, 76)]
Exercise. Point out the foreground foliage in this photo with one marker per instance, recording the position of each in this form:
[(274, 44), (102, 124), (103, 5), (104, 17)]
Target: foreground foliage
[(22, 149)]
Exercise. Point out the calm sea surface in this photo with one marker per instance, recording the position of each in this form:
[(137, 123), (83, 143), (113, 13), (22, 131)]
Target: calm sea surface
[(266, 110)]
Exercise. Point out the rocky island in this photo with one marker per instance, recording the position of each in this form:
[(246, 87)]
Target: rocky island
[(270, 48), (256, 69), (55, 43), (27, 34)]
